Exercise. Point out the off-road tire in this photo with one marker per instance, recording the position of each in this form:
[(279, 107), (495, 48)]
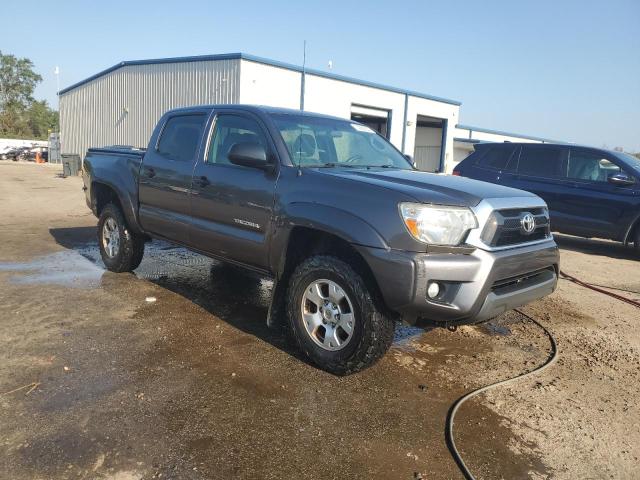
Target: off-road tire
[(373, 331), (131, 248)]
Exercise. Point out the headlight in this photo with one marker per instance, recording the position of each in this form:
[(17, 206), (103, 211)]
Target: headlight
[(437, 224)]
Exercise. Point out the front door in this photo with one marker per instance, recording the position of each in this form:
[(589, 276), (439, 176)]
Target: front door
[(232, 205), (594, 206), (165, 177)]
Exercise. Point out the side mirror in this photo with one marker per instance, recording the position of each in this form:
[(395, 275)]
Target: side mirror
[(621, 179), (249, 155)]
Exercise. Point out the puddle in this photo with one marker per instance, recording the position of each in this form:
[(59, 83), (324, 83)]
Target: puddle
[(176, 268), (405, 335), (68, 268), (495, 329)]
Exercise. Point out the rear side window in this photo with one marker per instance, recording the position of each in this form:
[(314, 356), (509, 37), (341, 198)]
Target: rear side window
[(497, 157), (180, 137), (541, 162)]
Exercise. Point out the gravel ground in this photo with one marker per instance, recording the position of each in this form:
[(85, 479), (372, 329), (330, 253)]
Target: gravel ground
[(193, 385)]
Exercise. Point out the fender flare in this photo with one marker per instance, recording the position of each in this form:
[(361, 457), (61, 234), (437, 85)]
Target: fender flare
[(335, 221), (325, 218), (126, 203)]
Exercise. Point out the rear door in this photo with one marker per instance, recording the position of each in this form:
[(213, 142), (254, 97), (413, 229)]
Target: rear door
[(594, 207), (165, 176), (491, 163), (232, 205), (540, 170)]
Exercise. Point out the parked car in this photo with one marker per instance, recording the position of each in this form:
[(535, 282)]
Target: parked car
[(17, 153), (4, 150), (590, 192), (354, 237)]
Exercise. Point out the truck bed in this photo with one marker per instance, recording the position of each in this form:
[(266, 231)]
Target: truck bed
[(118, 150)]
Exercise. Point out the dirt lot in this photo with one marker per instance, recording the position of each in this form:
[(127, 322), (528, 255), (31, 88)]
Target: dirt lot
[(195, 386)]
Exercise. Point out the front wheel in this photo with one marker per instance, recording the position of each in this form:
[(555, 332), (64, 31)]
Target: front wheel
[(121, 250), (334, 318)]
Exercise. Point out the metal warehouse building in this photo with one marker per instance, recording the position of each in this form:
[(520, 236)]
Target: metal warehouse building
[(122, 104)]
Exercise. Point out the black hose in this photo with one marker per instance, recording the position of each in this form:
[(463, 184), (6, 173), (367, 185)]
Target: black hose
[(552, 358), (454, 408)]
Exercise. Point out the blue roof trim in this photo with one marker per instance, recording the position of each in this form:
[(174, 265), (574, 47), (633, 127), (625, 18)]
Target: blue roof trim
[(265, 61), (509, 134)]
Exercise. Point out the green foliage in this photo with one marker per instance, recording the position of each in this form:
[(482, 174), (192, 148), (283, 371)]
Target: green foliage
[(21, 116)]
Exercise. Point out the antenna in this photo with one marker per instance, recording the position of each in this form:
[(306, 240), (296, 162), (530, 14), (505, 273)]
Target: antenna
[(304, 74)]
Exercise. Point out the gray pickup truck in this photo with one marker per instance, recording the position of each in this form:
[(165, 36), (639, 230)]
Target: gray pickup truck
[(354, 237)]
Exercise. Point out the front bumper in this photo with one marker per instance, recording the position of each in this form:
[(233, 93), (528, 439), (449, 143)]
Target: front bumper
[(475, 286)]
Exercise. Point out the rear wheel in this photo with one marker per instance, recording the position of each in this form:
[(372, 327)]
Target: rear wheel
[(121, 250), (333, 316)]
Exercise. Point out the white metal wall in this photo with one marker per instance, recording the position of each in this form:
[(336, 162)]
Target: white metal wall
[(277, 86), (123, 106)]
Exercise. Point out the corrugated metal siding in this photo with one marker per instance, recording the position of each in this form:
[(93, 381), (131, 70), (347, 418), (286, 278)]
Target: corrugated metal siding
[(93, 114)]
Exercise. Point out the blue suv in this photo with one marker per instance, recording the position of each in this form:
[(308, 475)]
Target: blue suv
[(590, 192)]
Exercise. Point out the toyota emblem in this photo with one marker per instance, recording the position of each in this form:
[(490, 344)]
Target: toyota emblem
[(528, 223)]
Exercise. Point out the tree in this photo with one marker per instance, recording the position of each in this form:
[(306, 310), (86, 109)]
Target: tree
[(41, 119), (20, 114)]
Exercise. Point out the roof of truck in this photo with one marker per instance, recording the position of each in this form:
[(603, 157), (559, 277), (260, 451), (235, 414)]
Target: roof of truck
[(256, 109)]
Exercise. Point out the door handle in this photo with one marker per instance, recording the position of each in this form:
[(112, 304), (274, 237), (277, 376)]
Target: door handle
[(203, 181), (150, 172)]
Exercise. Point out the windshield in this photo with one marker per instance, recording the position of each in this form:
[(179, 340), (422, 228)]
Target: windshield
[(326, 142)]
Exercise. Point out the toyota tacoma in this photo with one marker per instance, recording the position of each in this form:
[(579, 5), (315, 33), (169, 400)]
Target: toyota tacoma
[(354, 237)]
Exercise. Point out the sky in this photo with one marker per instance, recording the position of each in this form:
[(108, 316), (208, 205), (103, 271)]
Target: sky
[(562, 69)]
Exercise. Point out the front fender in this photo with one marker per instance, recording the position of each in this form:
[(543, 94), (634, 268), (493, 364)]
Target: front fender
[(336, 221), (325, 218)]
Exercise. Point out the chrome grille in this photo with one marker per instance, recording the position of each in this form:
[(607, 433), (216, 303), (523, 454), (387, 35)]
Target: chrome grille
[(506, 227)]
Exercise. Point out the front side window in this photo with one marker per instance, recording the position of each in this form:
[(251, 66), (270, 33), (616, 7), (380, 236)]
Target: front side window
[(497, 157), (541, 161), (180, 137), (590, 166), (328, 142), (229, 130)]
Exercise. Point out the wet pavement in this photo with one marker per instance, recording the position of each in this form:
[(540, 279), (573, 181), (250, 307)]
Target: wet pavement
[(194, 385)]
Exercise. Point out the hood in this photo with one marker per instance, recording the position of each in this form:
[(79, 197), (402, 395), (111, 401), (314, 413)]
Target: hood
[(427, 187)]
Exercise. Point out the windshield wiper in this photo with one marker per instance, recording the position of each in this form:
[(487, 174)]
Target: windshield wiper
[(378, 166), (333, 165)]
